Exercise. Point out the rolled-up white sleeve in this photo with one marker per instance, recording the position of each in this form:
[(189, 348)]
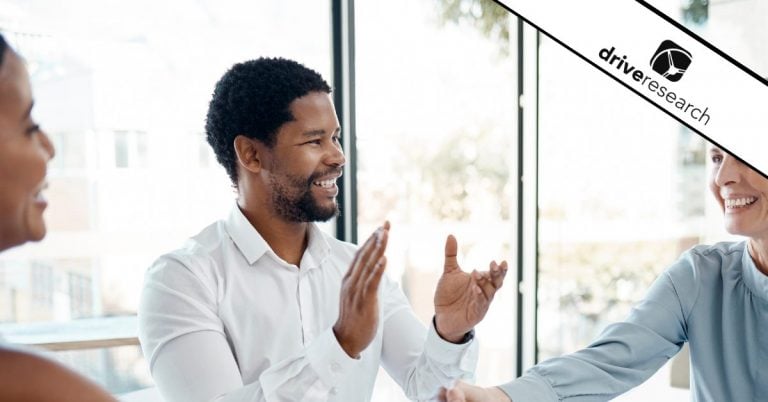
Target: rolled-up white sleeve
[(417, 358), (189, 356)]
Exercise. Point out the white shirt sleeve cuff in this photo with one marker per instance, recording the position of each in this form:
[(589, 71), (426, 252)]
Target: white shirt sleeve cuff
[(463, 355), (328, 359)]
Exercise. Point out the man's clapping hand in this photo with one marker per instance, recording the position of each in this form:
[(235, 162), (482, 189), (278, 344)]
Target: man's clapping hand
[(359, 304)]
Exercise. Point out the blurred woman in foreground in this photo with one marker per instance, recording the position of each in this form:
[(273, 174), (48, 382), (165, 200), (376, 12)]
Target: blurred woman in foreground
[(24, 154)]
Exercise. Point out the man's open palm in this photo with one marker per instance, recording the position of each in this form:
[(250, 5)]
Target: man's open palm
[(462, 299)]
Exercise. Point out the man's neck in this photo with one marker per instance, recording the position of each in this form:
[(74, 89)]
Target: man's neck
[(758, 250), (287, 239)]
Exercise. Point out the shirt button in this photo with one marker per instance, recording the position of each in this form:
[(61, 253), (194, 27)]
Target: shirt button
[(333, 391), (335, 366)]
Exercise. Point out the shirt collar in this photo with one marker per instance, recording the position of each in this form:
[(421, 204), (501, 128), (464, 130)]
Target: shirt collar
[(247, 239), (253, 246), (755, 280), (319, 249)]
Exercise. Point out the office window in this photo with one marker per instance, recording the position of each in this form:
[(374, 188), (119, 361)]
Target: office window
[(436, 105), (130, 149), (618, 203), (42, 283), (80, 295), (70, 150)]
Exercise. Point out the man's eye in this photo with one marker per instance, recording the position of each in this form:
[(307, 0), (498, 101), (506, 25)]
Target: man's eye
[(717, 158)]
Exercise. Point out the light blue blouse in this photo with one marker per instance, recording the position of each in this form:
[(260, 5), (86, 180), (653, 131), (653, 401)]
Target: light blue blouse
[(713, 297)]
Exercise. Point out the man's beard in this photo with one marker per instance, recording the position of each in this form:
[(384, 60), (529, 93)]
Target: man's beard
[(294, 202)]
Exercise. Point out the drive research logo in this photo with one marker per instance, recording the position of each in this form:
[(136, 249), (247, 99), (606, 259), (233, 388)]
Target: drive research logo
[(668, 60), (671, 60)]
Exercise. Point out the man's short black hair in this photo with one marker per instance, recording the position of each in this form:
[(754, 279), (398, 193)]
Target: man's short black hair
[(253, 99)]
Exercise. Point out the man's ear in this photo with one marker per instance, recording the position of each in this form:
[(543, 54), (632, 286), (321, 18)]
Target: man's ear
[(249, 153)]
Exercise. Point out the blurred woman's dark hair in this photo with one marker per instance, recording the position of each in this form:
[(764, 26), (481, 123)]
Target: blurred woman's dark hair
[(3, 46)]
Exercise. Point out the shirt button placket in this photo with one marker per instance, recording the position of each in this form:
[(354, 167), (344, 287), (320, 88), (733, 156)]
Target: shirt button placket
[(305, 302)]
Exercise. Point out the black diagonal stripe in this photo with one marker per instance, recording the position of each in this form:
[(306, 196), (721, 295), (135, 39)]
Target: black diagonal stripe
[(704, 42), (561, 43)]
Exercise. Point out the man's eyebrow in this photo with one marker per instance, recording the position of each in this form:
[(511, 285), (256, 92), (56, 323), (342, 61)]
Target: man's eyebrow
[(319, 132), (314, 133)]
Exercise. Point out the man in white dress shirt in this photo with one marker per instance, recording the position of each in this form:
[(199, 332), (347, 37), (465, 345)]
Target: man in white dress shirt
[(262, 305)]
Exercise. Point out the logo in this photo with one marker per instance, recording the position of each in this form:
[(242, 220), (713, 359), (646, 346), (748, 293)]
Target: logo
[(670, 60)]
